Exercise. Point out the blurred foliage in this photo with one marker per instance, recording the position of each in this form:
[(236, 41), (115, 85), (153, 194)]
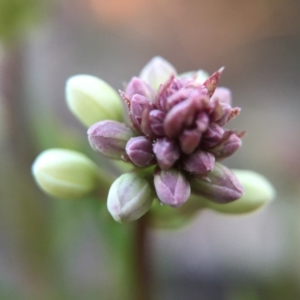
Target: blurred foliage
[(17, 16)]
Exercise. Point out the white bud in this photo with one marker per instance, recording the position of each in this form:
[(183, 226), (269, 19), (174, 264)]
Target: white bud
[(65, 173), (92, 100), (157, 71), (200, 75), (129, 197)]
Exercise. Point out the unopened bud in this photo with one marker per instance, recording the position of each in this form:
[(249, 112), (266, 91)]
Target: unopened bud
[(200, 162), (139, 151), (220, 185), (157, 71), (229, 144), (138, 105), (222, 94), (172, 187), (139, 87), (167, 152), (129, 197), (200, 76), (178, 117), (92, 100), (156, 118), (65, 173), (110, 138), (258, 192), (213, 135), (189, 140)]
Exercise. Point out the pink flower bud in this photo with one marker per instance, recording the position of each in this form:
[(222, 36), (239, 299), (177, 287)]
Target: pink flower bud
[(179, 116), (200, 162), (138, 104), (172, 187), (139, 151), (220, 113), (164, 91), (189, 140), (110, 138), (222, 95), (156, 118), (220, 185), (177, 97), (229, 144), (130, 197), (167, 152), (202, 121), (140, 87), (212, 135)]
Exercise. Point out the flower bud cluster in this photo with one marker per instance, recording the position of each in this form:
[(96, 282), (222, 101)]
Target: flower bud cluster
[(177, 125), (175, 140)]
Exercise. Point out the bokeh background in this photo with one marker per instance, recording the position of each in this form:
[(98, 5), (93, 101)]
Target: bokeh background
[(54, 249)]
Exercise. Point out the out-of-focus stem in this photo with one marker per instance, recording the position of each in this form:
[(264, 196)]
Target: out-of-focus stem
[(18, 196), (19, 137), (141, 259)]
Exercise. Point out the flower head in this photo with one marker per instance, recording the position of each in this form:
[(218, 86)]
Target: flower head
[(178, 124), (169, 136)]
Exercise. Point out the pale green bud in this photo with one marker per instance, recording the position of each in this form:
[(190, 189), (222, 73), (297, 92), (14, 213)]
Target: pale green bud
[(200, 75), (130, 197), (92, 100), (65, 173), (258, 192), (157, 71)]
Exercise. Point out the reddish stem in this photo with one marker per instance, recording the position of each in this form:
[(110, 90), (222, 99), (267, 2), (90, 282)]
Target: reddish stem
[(143, 276)]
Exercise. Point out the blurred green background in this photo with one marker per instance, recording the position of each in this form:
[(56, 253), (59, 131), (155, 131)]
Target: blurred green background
[(54, 249)]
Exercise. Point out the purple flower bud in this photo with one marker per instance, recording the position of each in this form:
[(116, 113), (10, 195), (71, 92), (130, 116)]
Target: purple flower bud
[(167, 152), (172, 187), (189, 140), (140, 87), (177, 97), (138, 104), (222, 95), (212, 135), (202, 121), (200, 162), (221, 113), (229, 144), (220, 185), (179, 116), (164, 91), (139, 151), (156, 118), (146, 123), (109, 138)]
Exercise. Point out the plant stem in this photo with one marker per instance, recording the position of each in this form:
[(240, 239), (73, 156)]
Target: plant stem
[(141, 255)]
